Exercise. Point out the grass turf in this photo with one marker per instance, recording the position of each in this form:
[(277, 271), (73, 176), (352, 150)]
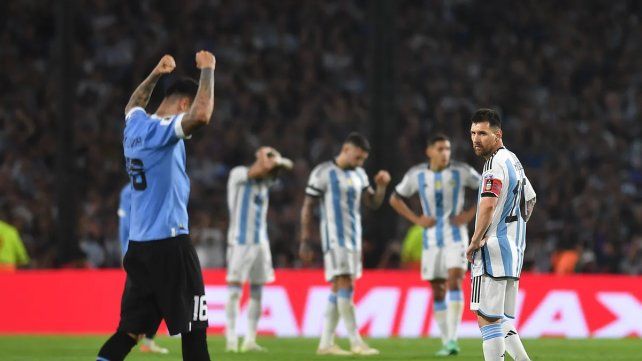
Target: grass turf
[(18, 348)]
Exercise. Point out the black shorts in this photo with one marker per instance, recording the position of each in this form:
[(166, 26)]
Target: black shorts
[(164, 281)]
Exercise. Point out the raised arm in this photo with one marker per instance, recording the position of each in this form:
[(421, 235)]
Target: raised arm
[(305, 249), (201, 110), (373, 198), (140, 96)]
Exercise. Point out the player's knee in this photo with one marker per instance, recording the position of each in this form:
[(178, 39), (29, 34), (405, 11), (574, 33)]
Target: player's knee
[(344, 293), (256, 291), (234, 292), (483, 320)]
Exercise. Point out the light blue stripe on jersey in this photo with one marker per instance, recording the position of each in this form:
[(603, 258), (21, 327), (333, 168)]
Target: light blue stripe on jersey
[(336, 204), (502, 229), (424, 202), (455, 228), (439, 209), (245, 208), (352, 195), (257, 217)]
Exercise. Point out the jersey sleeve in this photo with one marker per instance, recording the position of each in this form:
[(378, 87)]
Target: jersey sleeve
[(471, 177), (529, 191), (408, 185), (135, 113), (165, 131), (238, 175), (493, 180), (364, 179), (318, 182)]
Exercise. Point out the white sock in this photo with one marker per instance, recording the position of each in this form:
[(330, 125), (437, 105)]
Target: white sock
[(346, 311), (455, 311), (440, 312), (330, 322), (493, 344), (514, 345), (231, 310), (253, 312)]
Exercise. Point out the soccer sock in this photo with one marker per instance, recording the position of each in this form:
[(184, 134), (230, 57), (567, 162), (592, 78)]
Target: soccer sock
[(493, 344), (514, 345), (454, 313), (194, 345), (231, 310), (117, 347), (330, 322), (253, 312), (346, 311), (440, 311)]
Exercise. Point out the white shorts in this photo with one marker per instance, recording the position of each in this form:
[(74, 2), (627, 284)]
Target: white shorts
[(494, 298), (436, 261), (342, 261), (249, 262)]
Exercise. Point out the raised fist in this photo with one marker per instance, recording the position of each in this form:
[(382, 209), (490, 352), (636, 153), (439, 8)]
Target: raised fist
[(382, 178), (205, 59), (166, 65)]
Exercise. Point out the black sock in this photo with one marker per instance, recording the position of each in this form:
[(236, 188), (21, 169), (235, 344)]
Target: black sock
[(117, 347), (195, 346)]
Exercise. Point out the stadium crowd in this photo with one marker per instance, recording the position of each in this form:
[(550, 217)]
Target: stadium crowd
[(566, 78)]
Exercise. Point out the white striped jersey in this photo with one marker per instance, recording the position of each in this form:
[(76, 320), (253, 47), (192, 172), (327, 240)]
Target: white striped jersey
[(247, 201), (503, 253), (340, 192), (442, 196)]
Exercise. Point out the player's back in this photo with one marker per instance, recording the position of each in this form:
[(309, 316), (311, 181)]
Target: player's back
[(247, 201), (504, 250), (155, 159)]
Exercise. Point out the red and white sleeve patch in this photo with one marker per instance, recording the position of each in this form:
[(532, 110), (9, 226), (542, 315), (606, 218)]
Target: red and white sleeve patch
[(491, 186)]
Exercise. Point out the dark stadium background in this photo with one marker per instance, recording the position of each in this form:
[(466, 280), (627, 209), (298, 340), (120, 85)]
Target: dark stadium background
[(299, 75)]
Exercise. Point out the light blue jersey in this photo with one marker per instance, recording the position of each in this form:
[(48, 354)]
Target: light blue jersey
[(155, 159), (124, 210)]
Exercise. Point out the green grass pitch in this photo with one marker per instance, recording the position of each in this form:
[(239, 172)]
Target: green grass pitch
[(19, 348)]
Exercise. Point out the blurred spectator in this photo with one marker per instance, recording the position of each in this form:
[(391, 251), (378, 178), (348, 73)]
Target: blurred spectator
[(12, 252)]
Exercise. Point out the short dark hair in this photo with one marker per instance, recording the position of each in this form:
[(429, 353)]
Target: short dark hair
[(182, 86), (487, 115), (438, 137), (358, 141)]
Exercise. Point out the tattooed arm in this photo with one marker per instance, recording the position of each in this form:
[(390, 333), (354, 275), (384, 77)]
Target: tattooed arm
[(203, 105), (141, 95)]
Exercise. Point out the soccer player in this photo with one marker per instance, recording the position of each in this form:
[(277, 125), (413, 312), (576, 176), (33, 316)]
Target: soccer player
[(248, 250), (496, 250), (124, 208), (164, 279), (337, 187), (441, 185)]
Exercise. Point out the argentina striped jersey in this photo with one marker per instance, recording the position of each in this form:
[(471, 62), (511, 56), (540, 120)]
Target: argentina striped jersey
[(247, 201), (340, 193)]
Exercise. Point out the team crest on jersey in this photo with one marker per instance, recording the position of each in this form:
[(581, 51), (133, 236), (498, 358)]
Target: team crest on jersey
[(438, 185), (488, 184)]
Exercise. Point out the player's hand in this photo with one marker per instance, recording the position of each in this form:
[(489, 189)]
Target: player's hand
[(165, 66), (382, 179), (205, 59), (473, 247), (306, 253), (460, 219), (426, 221)]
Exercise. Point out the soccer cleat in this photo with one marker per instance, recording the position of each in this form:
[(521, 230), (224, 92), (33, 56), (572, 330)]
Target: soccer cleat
[(232, 346), (152, 347), (451, 348), (252, 347), (333, 350), (364, 350)]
